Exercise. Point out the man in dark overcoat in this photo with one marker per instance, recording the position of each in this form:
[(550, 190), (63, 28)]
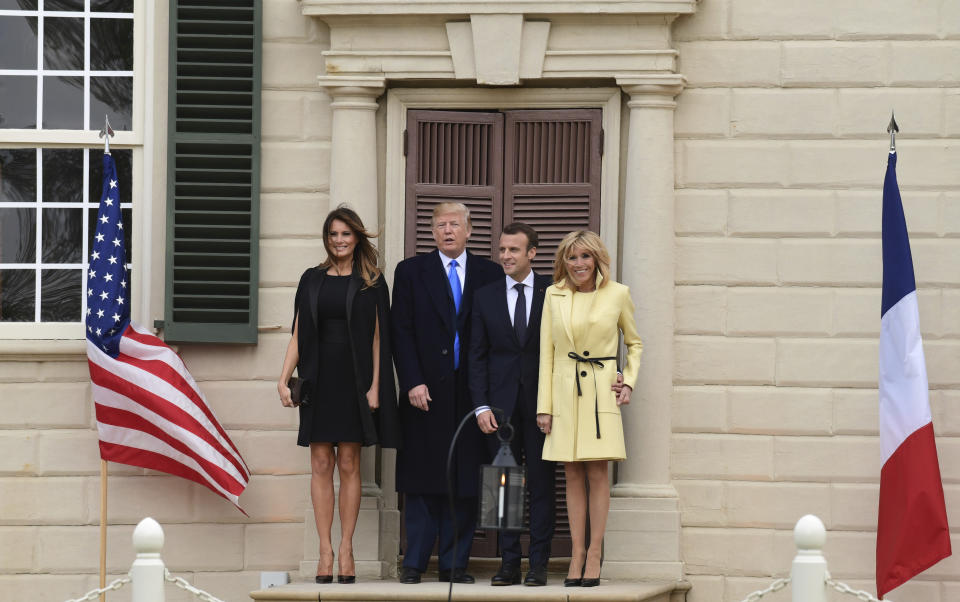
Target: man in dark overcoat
[(432, 304), (504, 371)]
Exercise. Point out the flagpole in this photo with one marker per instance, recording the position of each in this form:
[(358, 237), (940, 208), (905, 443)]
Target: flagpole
[(105, 133), (103, 527)]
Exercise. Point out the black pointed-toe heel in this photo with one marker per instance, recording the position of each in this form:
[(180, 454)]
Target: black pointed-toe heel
[(323, 579), (346, 578), (568, 582)]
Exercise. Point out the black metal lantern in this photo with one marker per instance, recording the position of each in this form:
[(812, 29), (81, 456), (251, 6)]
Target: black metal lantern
[(502, 487)]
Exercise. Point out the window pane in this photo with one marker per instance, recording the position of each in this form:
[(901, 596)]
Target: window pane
[(62, 103), (18, 175), (17, 290), (61, 235), (60, 295), (127, 215), (18, 101), (63, 5), (111, 44), (112, 96), (63, 43), (18, 4), (18, 235), (18, 42), (123, 157), (112, 6), (62, 175)]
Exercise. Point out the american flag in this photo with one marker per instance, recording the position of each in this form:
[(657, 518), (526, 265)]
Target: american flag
[(150, 412)]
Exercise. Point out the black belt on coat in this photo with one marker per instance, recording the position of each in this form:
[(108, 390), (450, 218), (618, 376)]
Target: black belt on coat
[(595, 362)]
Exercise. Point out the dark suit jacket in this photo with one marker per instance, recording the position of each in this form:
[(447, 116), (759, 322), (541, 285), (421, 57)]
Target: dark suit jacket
[(424, 323), (500, 365), (364, 307)]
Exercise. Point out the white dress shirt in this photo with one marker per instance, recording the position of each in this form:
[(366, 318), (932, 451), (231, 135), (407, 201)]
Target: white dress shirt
[(512, 306)]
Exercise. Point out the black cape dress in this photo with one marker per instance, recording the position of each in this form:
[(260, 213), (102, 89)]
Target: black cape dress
[(336, 358)]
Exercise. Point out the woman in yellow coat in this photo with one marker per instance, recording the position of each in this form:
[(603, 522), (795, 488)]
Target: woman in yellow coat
[(580, 388)]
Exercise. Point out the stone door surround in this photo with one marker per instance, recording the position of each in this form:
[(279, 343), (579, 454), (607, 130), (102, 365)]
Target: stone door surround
[(499, 54)]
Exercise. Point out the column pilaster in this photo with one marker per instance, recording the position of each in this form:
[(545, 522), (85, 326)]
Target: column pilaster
[(353, 147), (645, 505)]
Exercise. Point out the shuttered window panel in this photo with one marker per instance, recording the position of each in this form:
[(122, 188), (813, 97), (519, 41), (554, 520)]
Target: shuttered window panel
[(213, 171), (552, 162), (454, 156)]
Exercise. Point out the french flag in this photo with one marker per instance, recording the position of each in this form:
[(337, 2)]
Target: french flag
[(912, 531)]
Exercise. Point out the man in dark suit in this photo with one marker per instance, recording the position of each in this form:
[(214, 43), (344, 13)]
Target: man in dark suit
[(430, 319), (504, 366)]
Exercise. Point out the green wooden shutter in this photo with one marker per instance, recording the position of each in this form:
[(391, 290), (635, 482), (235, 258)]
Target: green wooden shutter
[(213, 171)]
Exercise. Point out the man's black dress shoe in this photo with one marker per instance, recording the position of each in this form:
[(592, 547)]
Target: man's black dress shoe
[(459, 576), (537, 576), (324, 578), (507, 575), (409, 575)]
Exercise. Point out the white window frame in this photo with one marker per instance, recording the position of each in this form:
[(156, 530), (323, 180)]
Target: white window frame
[(24, 337)]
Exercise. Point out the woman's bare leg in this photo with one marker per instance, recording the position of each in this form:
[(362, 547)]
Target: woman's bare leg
[(348, 463), (577, 515), (321, 494), (597, 475)]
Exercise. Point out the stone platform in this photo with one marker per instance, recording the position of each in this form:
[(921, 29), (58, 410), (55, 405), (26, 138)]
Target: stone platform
[(428, 591)]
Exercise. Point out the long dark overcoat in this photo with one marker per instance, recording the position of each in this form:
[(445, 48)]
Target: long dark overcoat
[(365, 305), (424, 323)]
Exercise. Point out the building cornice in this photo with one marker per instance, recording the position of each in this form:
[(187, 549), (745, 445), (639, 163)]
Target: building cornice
[(322, 8)]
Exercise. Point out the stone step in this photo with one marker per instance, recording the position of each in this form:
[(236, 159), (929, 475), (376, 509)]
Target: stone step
[(390, 590)]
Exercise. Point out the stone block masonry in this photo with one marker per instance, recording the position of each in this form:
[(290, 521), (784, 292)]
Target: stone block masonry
[(781, 155)]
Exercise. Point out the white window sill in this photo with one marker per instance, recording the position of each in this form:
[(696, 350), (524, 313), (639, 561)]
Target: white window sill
[(31, 350)]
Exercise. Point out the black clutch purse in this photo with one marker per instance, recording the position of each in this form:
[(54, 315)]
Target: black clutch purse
[(298, 391)]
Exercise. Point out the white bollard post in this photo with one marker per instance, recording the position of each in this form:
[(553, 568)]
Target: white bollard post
[(147, 572), (809, 572)]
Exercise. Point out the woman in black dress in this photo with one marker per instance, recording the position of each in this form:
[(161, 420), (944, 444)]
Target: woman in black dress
[(340, 345)]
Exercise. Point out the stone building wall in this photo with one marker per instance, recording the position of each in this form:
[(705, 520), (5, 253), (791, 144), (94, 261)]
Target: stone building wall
[(780, 154), (49, 460)]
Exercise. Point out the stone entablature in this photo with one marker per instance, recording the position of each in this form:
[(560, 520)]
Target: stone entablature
[(498, 42)]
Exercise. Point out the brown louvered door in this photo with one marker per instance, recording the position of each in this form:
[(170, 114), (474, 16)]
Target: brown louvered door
[(552, 175), (454, 156), (552, 182), (541, 167)]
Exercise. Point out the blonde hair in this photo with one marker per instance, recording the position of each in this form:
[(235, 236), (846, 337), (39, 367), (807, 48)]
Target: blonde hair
[(451, 207), (589, 242)]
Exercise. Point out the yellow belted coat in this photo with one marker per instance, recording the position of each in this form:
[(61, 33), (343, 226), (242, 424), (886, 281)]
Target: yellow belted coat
[(586, 423)]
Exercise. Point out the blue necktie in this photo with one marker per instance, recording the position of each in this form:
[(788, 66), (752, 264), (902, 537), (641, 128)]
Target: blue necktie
[(454, 279)]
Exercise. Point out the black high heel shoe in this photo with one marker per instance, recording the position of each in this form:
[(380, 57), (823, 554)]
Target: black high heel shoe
[(568, 582), (323, 579), (592, 581), (346, 579)]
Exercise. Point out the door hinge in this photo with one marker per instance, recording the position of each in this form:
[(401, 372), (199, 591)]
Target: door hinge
[(601, 142), (406, 142)]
